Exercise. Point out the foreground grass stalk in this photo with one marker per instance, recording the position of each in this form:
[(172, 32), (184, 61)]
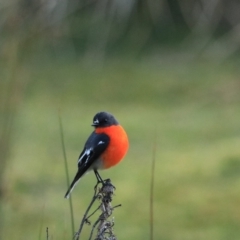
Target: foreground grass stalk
[(47, 234), (152, 187), (66, 172)]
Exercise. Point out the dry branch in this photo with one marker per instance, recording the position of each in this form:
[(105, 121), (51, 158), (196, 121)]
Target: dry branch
[(103, 224)]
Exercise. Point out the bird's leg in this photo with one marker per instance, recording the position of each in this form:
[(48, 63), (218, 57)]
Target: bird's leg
[(106, 182), (99, 179)]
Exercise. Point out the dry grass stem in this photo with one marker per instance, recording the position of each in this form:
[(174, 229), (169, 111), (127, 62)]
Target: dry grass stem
[(103, 225)]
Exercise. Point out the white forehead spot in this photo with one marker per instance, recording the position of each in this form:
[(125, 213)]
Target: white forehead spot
[(96, 121)]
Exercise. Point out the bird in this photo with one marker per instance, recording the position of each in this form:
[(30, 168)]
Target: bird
[(106, 146)]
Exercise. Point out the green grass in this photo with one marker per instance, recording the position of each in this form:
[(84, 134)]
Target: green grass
[(194, 107)]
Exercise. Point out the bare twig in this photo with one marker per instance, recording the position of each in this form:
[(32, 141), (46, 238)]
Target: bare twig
[(93, 228), (93, 212), (84, 220)]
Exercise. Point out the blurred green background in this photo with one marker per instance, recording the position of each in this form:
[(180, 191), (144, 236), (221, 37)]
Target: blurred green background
[(168, 69)]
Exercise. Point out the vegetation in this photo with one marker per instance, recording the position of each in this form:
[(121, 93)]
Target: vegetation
[(193, 107), (168, 70)]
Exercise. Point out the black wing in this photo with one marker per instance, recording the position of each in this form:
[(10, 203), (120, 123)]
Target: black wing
[(94, 147)]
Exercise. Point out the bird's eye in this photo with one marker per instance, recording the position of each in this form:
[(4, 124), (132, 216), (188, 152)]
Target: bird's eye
[(105, 120)]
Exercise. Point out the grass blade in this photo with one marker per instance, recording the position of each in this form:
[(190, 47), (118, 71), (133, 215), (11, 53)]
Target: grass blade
[(152, 187), (66, 172)]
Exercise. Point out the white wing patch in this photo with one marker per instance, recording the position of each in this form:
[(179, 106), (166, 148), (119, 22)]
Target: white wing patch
[(85, 154)]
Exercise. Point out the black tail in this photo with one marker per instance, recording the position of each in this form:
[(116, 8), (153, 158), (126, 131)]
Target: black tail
[(74, 182)]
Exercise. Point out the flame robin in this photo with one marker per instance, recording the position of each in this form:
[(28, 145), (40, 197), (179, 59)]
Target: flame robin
[(105, 147)]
